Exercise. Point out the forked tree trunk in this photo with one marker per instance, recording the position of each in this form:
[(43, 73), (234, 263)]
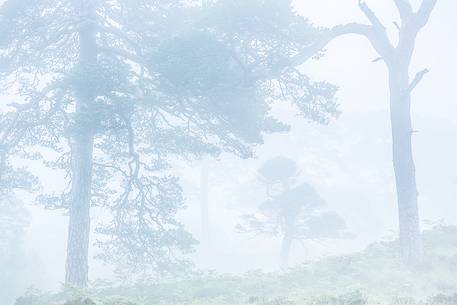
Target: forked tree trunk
[(398, 59), (77, 266)]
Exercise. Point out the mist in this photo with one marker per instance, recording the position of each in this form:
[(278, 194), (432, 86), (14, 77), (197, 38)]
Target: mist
[(228, 152)]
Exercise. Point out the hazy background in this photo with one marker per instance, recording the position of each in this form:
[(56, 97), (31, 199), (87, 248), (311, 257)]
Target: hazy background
[(349, 161)]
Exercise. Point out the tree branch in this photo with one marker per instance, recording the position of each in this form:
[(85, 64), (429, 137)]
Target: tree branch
[(405, 9), (379, 41), (397, 26), (309, 52), (124, 54), (120, 35), (417, 79), (378, 34), (374, 20), (38, 97), (425, 10), (375, 33), (377, 38)]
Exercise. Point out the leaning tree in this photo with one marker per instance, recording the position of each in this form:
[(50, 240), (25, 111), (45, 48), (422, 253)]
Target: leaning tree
[(116, 88)]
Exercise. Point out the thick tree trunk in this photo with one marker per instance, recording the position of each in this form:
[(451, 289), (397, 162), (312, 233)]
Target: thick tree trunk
[(77, 268), (81, 163), (405, 176)]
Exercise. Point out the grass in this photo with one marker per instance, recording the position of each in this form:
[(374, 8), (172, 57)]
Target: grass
[(373, 277)]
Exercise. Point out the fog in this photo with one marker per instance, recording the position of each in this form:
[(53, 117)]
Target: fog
[(200, 114)]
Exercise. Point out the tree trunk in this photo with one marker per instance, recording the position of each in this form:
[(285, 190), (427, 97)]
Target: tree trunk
[(77, 268), (204, 202), (403, 162), (288, 227), (398, 58), (285, 251)]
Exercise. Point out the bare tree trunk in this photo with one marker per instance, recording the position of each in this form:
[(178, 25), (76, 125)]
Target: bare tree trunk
[(398, 59), (77, 268), (403, 162)]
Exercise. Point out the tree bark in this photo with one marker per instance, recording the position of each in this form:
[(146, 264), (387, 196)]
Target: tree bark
[(77, 266), (403, 163)]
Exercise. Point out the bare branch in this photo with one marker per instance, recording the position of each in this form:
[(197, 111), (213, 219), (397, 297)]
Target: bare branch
[(352, 28), (423, 15), (417, 79), (397, 25), (405, 9), (374, 20), (378, 39)]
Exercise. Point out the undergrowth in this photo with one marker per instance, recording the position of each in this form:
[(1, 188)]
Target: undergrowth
[(375, 276)]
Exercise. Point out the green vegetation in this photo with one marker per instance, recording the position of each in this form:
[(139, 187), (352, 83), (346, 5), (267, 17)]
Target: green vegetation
[(374, 276)]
